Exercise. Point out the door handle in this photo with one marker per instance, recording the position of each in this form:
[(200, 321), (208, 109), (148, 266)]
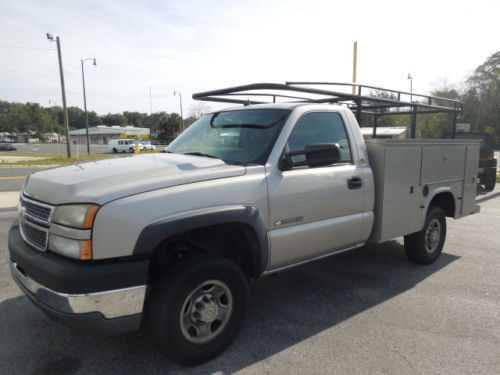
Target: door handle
[(354, 183)]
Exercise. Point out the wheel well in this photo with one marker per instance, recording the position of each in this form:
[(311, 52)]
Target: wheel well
[(446, 202), (235, 241)]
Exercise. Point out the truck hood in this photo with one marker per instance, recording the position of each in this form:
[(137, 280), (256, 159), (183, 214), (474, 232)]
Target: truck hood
[(106, 180)]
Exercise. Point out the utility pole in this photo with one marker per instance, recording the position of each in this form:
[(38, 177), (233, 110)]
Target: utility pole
[(150, 102), (85, 103), (180, 101), (52, 122), (354, 66), (63, 89)]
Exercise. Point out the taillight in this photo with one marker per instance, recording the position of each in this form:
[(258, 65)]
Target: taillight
[(490, 156)]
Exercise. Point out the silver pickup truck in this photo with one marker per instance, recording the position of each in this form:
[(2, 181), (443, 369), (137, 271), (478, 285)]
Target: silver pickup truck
[(169, 242)]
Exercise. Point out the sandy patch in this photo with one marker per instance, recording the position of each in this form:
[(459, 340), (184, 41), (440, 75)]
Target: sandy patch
[(11, 159)]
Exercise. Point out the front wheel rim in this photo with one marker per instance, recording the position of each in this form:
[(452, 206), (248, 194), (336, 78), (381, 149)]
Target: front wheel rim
[(432, 235), (206, 312)]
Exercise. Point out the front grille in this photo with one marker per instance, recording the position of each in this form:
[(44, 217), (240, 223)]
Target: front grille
[(36, 237), (35, 222), (36, 210)]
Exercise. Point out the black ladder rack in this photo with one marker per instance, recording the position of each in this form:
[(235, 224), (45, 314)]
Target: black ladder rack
[(366, 100)]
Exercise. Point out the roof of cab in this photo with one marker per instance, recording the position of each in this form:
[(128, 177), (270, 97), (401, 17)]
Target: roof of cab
[(290, 106)]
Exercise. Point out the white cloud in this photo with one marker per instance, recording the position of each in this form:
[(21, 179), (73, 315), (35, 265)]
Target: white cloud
[(198, 45)]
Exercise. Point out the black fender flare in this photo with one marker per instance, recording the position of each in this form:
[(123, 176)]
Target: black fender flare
[(155, 233)]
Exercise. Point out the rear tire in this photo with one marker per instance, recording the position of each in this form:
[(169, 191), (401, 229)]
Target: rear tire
[(425, 247), (490, 181), (115, 150), (196, 309)]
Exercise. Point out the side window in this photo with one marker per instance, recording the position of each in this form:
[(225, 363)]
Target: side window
[(319, 127), (120, 142)]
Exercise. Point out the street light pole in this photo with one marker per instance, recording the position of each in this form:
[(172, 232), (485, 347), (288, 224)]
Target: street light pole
[(63, 89), (85, 102), (180, 102), (354, 66), (410, 77)]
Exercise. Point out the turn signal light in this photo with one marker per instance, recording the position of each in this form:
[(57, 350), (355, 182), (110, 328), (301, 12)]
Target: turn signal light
[(86, 250)]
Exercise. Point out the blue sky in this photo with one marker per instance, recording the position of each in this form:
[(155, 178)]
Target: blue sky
[(194, 46)]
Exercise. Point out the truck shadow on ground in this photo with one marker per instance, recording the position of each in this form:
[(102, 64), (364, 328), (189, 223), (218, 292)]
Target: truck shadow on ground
[(487, 197), (283, 311)]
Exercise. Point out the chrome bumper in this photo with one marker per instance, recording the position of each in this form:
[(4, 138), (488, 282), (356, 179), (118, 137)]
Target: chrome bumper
[(111, 303)]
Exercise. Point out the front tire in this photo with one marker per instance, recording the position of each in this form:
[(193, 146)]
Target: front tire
[(425, 247), (196, 309)]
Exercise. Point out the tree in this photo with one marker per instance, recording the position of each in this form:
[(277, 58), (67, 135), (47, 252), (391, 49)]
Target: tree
[(156, 122), (199, 109), (173, 126), (136, 118), (114, 119), (76, 118), (14, 117), (39, 117), (94, 118), (435, 125), (482, 97)]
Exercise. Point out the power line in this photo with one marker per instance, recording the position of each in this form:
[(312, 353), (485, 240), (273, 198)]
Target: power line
[(22, 47)]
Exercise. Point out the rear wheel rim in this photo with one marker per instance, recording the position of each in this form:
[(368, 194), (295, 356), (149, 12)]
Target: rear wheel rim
[(433, 235), (206, 312)]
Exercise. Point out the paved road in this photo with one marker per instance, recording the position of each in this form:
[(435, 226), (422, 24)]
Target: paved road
[(367, 311), (59, 148), (12, 178)]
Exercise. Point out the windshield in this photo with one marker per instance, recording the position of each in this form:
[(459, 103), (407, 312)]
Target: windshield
[(241, 137)]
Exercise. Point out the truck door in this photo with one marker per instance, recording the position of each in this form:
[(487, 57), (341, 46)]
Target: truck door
[(315, 211)]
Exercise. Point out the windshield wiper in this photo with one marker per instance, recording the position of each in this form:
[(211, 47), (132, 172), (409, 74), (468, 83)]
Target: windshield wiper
[(195, 153)]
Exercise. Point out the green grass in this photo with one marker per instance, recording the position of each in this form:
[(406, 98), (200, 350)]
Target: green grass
[(52, 159)]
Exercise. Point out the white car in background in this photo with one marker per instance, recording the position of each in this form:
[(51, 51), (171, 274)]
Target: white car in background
[(148, 146), (123, 145)]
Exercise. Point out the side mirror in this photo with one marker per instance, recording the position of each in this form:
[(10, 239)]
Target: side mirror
[(317, 155)]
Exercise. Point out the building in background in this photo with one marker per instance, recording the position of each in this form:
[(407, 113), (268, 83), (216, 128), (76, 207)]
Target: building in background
[(101, 134)]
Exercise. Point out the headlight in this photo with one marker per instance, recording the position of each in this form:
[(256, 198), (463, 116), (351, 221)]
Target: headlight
[(71, 248), (76, 215)]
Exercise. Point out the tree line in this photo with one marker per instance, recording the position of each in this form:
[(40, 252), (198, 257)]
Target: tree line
[(32, 117)]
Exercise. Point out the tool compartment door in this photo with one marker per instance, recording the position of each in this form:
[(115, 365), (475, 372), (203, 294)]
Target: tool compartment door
[(442, 163), (403, 198), (469, 205)]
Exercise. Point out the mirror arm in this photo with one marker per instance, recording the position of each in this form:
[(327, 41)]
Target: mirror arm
[(286, 162)]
